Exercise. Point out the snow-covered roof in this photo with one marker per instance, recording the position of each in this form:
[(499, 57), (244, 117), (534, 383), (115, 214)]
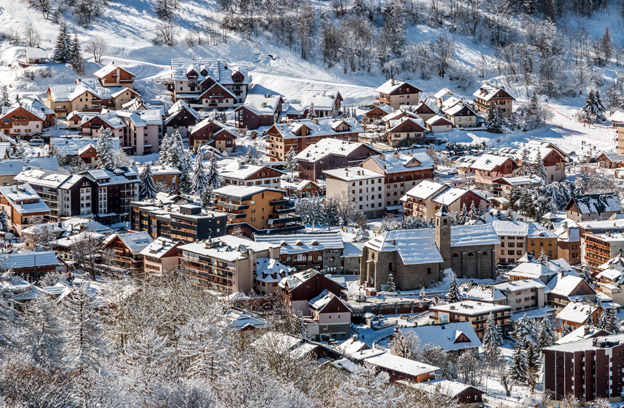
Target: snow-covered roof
[(209, 120), (401, 365), (318, 127), (238, 320), (518, 285), (240, 192), (596, 203), (395, 124), (271, 270), (321, 99), (134, 241), (24, 199), (262, 104), (618, 116), (489, 162), (594, 343), (352, 174), (577, 312), (40, 177), (392, 85), (511, 228), (7, 113), (445, 387), (475, 291), (446, 336), (539, 231), (293, 281), (212, 67), (158, 248), (415, 246), (519, 180), (399, 113), (487, 92), (582, 333), (437, 118), (426, 189), (107, 69), (73, 145), (228, 247), (179, 106), (319, 302), (534, 147), (450, 195), (28, 260), (397, 163), (443, 92), (301, 243), (236, 170), (471, 308), (36, 53), (326, 147), (565, 285), (473, 235)]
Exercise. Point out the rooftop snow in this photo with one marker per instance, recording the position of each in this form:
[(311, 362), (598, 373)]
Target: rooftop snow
[(473, 235), (577, 312), (326, 147), (471, 308), (415, 246), (425, 189), (445, 335), (352, 174), (511, 228), (489, 162), (392, 85)]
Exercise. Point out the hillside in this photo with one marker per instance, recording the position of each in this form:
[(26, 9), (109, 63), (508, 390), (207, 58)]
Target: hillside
[(129, 28)]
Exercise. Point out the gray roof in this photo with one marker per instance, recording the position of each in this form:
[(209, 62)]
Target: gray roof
[(301, 243)]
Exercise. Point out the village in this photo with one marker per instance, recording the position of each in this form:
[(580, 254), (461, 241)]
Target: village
[(490, 275)]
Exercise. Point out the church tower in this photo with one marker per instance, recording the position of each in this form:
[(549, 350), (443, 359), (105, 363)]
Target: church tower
[(443, 222)]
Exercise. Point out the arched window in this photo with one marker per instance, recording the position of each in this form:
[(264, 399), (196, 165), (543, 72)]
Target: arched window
[(455, 255), (484, 253), (470, 254)]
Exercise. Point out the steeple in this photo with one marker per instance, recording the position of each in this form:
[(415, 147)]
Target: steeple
[(443, 222)]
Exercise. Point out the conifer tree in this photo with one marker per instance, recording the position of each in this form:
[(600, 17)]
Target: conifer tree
[(519, 365), (291, 163), (612, 321), (546, 336), (391, 284), (165, 145), (199, 182), (5, 100), (454, 295), (463, 215), (212, 175), (44, 330), (540, 170), (474, 213), (62, 48), (525, 168), (494, 120), (543, 259), (105, 154), (492, 339), (4, 221), (75, 56), (147, 187), (533, 360)]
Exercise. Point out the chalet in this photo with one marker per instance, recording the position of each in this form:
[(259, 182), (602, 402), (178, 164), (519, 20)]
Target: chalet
[(577, 314), (95, 124), (123, 251), (592, 207), (34, 104), (474, 312), (401, 171), (425, 199), (237, 174), (213, 133), (406, 132), (523, 294), (258, 110), (553, 158), (298, 135), (610, 160), (319, 251), (459, 113), (33, 56), (397, 93), (451, 337), (438, 124), (304, 188), (323, 103), (30, 265), (22, 206), (488, 95), (376, 112), (546, 271), (160, 256), (568, 288), (464, 395), (611, 283), (86, 96), (21, 122), (207, 83), (394, 117), (329, 154), (181, 117), (504, 185), (298, 289), (425, 110), (111, 75), (269, 273), (79, 147), (330, 317), (488, 168)]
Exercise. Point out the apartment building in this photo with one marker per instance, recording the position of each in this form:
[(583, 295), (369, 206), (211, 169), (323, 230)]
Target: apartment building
[(488, 95), (397, 93), (523, 294), (237, 174), (364, 188), (22, 206), (476, 313)]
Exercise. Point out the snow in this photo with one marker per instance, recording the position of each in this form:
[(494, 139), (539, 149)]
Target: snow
[(134, 241), (158, 248), (271, 270), (302, 243), (488, 162), (598, 203), (326, 147), (471, 308), (425, 189), (565, 285), (403, 162), (20, 198), (28, 260), (576, 312), (487, 92), (511, 228), (589, 344), (391, 85), (239, 192), (262, 104), (415, 247), (297, 279), (473, 235), (319, 302), (445, 335), (400, 365), (474, 291), (107, 69), (353, 174)]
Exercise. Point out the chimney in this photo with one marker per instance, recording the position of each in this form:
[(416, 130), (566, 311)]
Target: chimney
[(396, 155)]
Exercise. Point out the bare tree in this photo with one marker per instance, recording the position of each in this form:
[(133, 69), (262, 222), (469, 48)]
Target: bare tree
[(86, 253), (165, 34), (96, 47), (31, 36)]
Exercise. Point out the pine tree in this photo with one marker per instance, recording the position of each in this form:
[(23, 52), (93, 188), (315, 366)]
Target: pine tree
[(533, 360), (44, 331), (5, 100), (199, 346), (391, 284), (165, 145), (212, 175), (474, 213), (522, 331), (494, 120), (540, 170), (63, 44), (199, 182), (519, 366), (75, 56), (4, 221), (311, 114), (105, 154), (543, 259), (147, 188), (546, 336), (291, 163), (454, 295), (463, 215), (492, 339), (525, 168), (585, 273), (593, 109), (602, 320)]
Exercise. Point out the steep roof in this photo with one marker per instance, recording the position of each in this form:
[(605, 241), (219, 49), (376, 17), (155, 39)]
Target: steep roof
[(397, 163), (134, 241), (426, 189), (445, 335), (511, 228), (473, 235), (489, 162), (214, 68), (487, 92), (272, 270), (577, 312), (415, 246), (475, 291), (317, 127), (326, 147), (262, 104), (391, 85), (596, 203), (107, 69)]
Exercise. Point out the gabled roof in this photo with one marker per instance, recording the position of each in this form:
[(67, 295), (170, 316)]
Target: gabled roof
[(426, 189), (445, 335), (134, 241), (107, 69), (577, 312), (262, 104), (215, 69), (159, 247), (326, 147), (391, 86), (596, 203), (321, 99), (438, 120), (511, 228), (272, 270), (415, 247), (178, 107), (407, 122), (487, 92), (323, 299), (20, 197), (475, 291), (489, 162), (473, 235), (316, 127), (566, 285), (302, 243), (28, 260), (397, 163), (216, 87)]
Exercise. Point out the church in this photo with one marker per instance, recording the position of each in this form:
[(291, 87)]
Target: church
[(418, 257)]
